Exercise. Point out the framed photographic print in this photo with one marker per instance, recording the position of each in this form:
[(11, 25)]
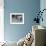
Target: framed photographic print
[(16, 18)]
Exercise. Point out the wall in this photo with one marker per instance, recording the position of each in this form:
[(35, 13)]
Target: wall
[(43, 6), (29, 8)]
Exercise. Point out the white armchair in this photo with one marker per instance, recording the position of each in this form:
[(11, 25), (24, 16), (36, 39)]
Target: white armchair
[(26, 41)]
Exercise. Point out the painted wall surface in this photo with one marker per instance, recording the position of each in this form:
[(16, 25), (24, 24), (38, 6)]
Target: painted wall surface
[(43, 6), (29, 8)]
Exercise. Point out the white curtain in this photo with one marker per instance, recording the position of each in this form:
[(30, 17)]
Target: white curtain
[(1, 20)]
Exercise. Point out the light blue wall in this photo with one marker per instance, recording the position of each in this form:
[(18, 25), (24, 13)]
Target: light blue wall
[(43, 6), (28, 7)]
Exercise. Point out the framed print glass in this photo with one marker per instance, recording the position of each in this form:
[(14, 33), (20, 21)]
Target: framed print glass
[(16, 18)]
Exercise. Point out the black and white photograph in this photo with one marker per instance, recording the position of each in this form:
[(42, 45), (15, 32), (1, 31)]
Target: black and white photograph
[(16, 18)]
